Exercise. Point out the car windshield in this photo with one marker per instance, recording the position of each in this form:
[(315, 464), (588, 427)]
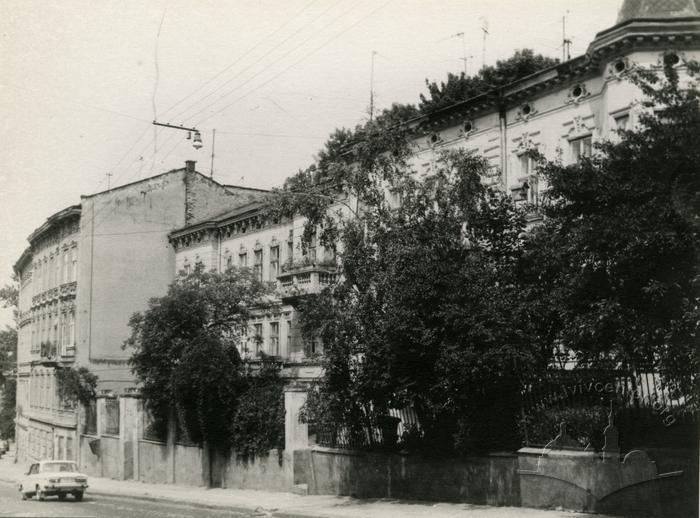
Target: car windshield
[(55, 467)]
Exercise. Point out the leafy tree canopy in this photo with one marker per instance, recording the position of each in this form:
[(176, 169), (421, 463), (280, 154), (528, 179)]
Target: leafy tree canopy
[(615, 267), (461, 87), (185, 350)]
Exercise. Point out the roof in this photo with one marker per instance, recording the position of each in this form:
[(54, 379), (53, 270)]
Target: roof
[(657, 9), (73, 210), (660, 24), (240, 212)]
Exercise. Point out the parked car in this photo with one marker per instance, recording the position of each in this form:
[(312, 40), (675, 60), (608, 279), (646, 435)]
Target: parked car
[(53, 477)]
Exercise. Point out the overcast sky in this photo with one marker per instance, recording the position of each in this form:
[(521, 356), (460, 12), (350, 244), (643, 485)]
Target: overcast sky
[(82, 81)]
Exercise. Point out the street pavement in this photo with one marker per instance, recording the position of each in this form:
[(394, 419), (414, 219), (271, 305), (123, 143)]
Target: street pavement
[(106, 498)]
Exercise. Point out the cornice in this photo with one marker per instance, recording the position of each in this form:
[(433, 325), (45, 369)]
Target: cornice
[(631, 35)]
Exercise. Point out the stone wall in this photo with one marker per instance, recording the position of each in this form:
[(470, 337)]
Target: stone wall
[(490, 480), (153, 462), (272, 472)]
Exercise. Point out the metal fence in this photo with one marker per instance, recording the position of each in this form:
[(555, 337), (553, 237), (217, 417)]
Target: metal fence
[(646, 412), (366, 436)]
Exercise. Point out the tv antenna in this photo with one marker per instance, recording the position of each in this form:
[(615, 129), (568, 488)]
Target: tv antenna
[(371, 88), (464, 57), (565, 42), (485, 30)]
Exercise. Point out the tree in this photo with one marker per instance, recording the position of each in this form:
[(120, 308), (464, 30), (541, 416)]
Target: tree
[(616, 263), (185, 351), (461, 87), (9, 295), (427, 294)]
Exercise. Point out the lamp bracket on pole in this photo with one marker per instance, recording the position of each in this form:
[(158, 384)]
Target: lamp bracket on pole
[(196, 141)]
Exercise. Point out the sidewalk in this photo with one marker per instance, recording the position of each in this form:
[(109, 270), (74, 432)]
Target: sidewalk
[(287, 505)]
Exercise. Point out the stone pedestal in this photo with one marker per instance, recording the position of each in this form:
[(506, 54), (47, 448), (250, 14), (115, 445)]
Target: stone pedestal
[(296, 434)]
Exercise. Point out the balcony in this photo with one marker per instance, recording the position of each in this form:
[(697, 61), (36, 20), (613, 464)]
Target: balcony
[(68, 289), (298, 280), (48, 354)]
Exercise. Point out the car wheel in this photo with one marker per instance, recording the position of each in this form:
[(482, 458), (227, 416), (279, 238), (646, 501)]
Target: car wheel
[(40, 495), (61, 496), (78, 496)]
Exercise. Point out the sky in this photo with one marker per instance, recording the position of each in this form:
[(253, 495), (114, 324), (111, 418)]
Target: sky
[(82, 81)]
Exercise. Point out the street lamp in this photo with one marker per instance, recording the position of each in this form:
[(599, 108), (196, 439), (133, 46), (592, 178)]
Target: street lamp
[(196, 140)]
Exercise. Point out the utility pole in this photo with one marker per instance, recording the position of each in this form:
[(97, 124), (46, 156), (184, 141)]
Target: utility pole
[(371, 89), (213, 143), (566, 42)]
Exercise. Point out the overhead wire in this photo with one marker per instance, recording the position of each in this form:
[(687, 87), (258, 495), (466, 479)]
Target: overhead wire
[(326, 42), (238, 60), (279, 44)]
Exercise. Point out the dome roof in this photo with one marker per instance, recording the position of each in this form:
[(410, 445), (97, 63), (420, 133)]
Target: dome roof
[(655, 9)]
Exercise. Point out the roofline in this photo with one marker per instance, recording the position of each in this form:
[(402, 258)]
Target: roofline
[(559, 72), (27, 254), (257, 189), (215, 222), (130, 184), (73, 210)]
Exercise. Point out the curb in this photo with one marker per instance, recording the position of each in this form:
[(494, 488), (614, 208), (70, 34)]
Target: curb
[(254, 511), (149, 498), (249, 510)]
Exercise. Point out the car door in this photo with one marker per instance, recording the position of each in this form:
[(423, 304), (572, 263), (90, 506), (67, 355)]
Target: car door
[(30, 479)]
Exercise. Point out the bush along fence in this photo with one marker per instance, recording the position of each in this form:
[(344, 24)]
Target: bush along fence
[(647, 413)]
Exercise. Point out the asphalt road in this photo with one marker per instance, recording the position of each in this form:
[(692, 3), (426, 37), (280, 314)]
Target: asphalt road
[(11, 505)]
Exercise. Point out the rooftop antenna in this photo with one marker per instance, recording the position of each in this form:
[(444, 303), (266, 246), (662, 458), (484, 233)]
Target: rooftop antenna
[(213, 144), (371, 88), (566, 42), (464, 50), (485, 29)]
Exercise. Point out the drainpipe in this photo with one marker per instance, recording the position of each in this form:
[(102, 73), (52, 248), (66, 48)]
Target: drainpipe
[(502, 127)]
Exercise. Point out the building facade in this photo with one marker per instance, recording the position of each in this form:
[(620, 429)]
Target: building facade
[(92, 265), (85, 272)]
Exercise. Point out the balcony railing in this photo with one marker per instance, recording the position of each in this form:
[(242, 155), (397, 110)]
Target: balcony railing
[(66, 290), (48, 352), (305, 280)]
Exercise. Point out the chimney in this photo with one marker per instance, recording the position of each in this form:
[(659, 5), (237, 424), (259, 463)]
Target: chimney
[(189, 166)]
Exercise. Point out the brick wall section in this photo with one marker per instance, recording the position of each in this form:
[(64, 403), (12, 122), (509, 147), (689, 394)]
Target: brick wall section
[(205, 198)]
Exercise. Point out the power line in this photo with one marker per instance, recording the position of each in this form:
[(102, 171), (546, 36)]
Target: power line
[(258, 61), (235, 62), (326, 42)]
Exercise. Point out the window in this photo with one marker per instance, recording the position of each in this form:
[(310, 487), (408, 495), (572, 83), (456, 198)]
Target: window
[(275, 338), (622, 122), (290, 251), (311, 249), (71, 331), (257, 267), (243, 259), (57, 271), (257, 338), (73, 264), (52, 281), (525, 164), (64, 274), (580, 147), (274, 262)]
